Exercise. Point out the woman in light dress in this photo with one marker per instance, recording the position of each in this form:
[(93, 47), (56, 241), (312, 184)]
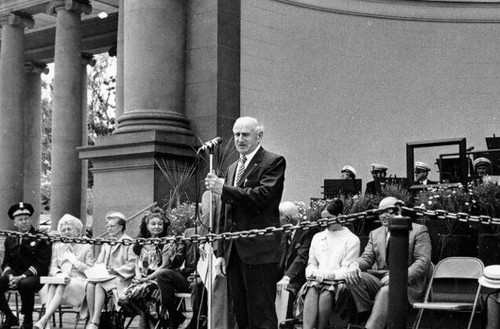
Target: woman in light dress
[(69, 260)]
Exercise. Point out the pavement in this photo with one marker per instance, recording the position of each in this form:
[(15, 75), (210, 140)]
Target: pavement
[(67, 317)]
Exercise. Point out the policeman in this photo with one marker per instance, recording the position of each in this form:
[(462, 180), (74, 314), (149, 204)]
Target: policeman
[(25, 260)]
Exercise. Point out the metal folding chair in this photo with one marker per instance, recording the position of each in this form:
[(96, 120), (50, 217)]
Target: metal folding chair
[(453, 287)]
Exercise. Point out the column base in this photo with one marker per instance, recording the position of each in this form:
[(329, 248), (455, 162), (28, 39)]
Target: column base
[(141, 120)]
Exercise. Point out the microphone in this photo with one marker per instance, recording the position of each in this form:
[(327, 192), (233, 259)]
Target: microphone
[(210, 144)]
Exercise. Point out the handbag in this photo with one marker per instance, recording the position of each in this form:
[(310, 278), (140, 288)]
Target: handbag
[(111, 320)]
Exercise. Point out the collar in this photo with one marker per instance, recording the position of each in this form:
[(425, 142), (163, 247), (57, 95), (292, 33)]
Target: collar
[(250, 156)]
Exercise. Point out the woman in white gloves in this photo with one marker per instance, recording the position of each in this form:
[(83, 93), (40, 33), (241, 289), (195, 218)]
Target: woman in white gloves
[(69, 260), (330, 253)]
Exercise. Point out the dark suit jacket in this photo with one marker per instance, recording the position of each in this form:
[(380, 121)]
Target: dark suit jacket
[(419, 258), (373, 187), (294, 257), (253, 204), (30, 257)]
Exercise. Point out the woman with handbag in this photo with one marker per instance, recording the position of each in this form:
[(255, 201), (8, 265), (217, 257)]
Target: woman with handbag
[(69, 261), (120, 262), (144, 294)]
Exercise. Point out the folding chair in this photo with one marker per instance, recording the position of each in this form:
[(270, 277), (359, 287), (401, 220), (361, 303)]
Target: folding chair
[(453, 287)]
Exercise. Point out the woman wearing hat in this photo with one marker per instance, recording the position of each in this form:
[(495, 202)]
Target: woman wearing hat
[(330, 253)]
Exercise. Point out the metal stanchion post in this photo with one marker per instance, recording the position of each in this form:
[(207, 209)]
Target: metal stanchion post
[(398, 272), (209, 259)]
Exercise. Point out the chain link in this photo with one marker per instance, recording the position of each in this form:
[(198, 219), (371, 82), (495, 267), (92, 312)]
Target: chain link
[(287, 228)]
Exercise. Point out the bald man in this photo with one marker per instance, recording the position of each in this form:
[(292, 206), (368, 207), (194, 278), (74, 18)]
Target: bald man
[(294, 249), (250, 194)]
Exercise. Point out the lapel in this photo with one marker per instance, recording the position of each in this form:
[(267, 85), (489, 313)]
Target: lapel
[(383, 244), (254, 163)]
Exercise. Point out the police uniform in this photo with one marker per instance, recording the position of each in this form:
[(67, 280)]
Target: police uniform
[(27, 257), (375, 186)]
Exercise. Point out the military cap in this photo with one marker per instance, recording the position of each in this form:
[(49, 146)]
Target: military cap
[(20, 208), (378, 167), (349, 169), (422, 166), (481, 161)]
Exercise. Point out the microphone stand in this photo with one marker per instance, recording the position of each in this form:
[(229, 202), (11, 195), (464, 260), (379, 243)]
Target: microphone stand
[(208, 282)]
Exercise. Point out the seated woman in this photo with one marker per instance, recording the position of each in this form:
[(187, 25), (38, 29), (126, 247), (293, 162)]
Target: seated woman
[(69, 260), (154, 260), (120, 263), (330, 253)]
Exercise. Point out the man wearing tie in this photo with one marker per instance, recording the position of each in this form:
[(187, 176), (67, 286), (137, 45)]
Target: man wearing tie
[(370, 290), (421, 172), (250, 195)]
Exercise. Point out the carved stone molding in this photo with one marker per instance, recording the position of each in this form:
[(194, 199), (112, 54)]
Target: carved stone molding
[(34, 67), (427, 11), (14, 19), (78, 6)]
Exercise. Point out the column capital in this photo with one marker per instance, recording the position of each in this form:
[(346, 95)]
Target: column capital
[(78, 6), (34, 67), (88, 59), (18, 20)]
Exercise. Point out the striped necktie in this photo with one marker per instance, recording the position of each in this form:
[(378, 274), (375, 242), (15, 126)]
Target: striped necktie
[(241, 169)]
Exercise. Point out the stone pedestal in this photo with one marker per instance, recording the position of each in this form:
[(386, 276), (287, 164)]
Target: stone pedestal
[(67, 114), (12, 114), (126, 178)]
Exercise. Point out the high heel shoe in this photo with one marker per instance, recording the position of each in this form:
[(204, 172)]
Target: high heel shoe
[(92, 325)]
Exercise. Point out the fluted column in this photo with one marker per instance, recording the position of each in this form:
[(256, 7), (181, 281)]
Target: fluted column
[(154, 47), (33, 135), (119, 61), (11, 113), (87, 59), (67, 116)]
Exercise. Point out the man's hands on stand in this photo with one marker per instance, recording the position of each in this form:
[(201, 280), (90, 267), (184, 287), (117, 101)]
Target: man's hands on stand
[(220, 266), (214, 183)]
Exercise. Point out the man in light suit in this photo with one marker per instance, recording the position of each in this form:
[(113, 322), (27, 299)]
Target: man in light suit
[(250, 194), (371, 289)]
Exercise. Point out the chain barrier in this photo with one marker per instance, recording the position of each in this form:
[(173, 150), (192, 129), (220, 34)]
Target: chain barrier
[(304, 225)]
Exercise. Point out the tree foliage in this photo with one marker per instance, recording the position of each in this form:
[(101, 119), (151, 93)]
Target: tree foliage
[(101, 87)]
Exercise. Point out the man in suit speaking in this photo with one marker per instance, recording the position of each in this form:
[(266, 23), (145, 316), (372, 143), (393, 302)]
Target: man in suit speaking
[(250, 194)]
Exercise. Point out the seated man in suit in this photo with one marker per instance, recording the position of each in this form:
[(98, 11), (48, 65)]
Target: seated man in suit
[(421, 172), (295, 253), (375, 186), (370, 290)]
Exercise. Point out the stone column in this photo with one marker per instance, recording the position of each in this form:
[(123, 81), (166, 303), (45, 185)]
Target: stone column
[(33, 135), (12, 114), (154, 73), (119, 61), (67, 116), (87, 59)]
